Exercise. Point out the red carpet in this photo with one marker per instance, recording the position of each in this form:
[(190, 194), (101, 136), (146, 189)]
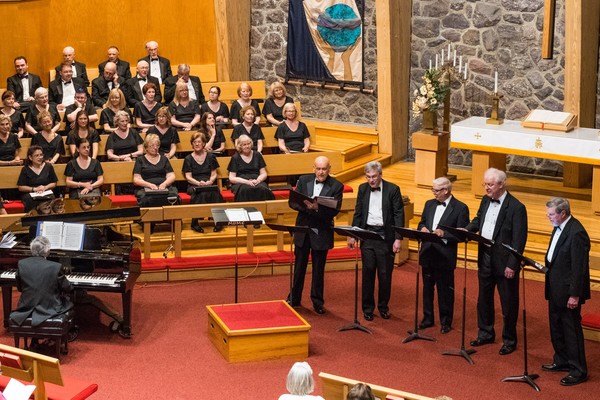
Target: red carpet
[(171, 357)]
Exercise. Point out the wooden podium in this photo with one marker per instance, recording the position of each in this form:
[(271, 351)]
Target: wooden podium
[(431, 156)]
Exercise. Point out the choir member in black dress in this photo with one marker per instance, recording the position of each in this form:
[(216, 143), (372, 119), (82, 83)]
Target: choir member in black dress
[(83, 130), (250, 128), (169, 137), (41, 104), (292, 135), (9, 143), (216, 107), (16, 116), (185, 112), (215, 140), (145, 110), (37, 176), (153, 171), (116, 102), (51, 143), (245, 92), (200, 170), (83, 173), (273, 108), (248, 172), (125, 143), (82, 103)]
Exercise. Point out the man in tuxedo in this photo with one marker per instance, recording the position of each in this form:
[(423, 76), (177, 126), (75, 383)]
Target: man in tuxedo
[(503, 219), (102, 85), (567, 288), (133, 87), (438, 261), (379, 208), (123, 69), (23, 84), (79, 70), (160, 67), (82, 102), (320, 239), (62, 90), (183, 76)]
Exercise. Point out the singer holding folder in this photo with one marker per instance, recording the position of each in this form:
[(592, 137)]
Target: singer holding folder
[(320, 239)]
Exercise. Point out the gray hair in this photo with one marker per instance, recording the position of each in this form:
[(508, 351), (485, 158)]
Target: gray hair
[(373, 166), (40, 91), (181, 68), (118, 115), (561, 204), (443, 182), (300, 381), (40, 246), (498, 175)]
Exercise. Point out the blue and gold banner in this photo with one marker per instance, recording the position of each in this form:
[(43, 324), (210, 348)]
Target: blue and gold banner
[(325, 41)]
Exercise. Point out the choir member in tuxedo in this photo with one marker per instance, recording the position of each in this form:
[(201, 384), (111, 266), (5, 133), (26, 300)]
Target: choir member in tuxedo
[(123, 69), (160, 67), (567, 288), (379, 208), (134, 86), (503, 219), (183, 76), (438, 261), (82, 103), (107, 81), (63, 88), (319, 240), (79, 70), (23, 84)]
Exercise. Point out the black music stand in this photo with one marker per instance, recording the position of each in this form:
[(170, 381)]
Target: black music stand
[(221, 218), (419, 237), (357, 234), (291, 229), (526, 377), (464, 236)]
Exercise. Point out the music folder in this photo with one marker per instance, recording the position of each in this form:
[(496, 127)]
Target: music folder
[(237, 216), (526, 260), (204, 189), (463, 235), (415, 234), (297, 199)]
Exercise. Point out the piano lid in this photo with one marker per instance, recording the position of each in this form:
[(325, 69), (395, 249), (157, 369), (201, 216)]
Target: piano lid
[(92, 217)]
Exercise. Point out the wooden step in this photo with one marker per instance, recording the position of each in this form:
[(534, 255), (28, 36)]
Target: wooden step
[(355, 168)]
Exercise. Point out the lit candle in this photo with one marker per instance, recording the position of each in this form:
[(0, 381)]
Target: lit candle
[(442, 56), (466, 66), (430, 63), (454, 63), (436, 61), (496, 82), (448, 52), (459, 64)]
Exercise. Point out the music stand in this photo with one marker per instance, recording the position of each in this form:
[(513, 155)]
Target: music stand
[(419, 237), (464, 236), (291, 229), (526, 377), (237, 216), (357, 234)]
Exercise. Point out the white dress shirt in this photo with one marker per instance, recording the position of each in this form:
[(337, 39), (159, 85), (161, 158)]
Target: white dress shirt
[(491, 216)]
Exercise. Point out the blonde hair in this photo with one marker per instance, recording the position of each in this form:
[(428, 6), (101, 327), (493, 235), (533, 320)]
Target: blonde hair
[(276, 85), (111, 94)]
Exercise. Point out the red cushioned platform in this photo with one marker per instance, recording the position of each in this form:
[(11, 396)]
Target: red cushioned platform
[(154, 264), (218, 260), (257, 315), (123, 200), (591, 320), (14, 207), (73, 389)]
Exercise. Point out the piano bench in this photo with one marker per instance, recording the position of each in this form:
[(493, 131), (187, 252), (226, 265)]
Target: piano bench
[(56, 328)]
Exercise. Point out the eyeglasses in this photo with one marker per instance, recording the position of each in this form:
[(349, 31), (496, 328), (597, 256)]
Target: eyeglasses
[(438, 190), (488, 184)]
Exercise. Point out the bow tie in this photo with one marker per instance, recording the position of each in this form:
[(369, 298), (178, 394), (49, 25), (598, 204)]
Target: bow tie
[(23, 76), (154, 59), (494, 201), (67, 83), (377, 189), (142, 79), (318, 182), (441, 203)]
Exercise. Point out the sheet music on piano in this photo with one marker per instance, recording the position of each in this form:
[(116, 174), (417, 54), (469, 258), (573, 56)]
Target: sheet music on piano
[(8, 241), (62, 235)]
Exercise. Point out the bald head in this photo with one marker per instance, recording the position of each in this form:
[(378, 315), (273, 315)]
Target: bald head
[(321, 167), (68, 54), (152, 48), (142, 68), (110, 69)]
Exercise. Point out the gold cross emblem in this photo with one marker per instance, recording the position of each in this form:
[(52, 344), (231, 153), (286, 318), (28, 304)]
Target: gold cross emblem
[(538, 143), (477, 136)]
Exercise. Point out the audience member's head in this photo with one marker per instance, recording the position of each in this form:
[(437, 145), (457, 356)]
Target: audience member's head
[(360, 391), (300, 380)]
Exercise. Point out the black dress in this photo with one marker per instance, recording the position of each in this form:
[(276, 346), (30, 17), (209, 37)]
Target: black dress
[(121, 147), (34, 112), (107, 116), (201, 172), (223, 110), (154, 173), (50, 148), (255, 134), (147, 116), (294, 140), (249, 170), (169, 137), (236, 108), (90, 174), (271, 108), (184, 114), (28, 177), (93, 137), (18, 121), (9, 148), (219, 140)]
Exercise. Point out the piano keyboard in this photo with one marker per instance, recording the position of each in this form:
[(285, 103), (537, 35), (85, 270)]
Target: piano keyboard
[(76, 278)]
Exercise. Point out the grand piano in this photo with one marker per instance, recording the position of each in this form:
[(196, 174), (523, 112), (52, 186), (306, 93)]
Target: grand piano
[(109, 262)]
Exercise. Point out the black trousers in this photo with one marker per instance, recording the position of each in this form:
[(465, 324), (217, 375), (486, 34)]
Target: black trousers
[(443, 280), (319, 257), (377, 260), (567, 338)]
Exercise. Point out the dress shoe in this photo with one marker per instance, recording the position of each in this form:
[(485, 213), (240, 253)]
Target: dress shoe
[(504, 350), (319, 310), (385, 315), (368, 316), (218, 228), (571, 380), (425, 325), (554, 367), (445, 328), (198, 228), (480, 342)]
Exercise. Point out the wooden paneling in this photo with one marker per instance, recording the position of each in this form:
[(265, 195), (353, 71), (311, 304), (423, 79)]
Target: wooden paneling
[(39, 30), (233, 39)]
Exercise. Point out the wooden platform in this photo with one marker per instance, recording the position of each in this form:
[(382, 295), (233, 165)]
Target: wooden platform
[(258, 331)]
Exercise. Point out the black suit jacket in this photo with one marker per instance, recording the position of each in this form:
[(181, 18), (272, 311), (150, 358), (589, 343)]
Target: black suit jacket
[(392, 208), (511, 228), (55, 91), (41, 283), (569, 271), (133, 92), (14, 84), (171, 83), (100, 90), (456, 215), (321, 219), (165, 67), (81, 72), (123, 69)]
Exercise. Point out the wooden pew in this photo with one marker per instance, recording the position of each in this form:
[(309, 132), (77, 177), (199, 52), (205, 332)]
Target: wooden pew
[(229, 89)]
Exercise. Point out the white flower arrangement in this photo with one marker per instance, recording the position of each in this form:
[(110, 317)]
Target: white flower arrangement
[(431, 93)]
